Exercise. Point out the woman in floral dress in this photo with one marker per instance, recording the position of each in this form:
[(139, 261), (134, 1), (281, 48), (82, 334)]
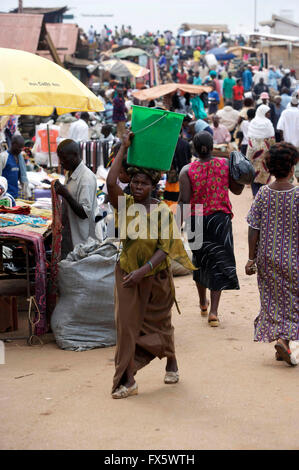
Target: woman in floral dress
[(273, 245)]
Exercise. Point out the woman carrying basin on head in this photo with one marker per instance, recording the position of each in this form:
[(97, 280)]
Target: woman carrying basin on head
[(144, 293)]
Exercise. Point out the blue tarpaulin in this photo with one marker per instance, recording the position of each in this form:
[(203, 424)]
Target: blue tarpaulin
[(221, 53)]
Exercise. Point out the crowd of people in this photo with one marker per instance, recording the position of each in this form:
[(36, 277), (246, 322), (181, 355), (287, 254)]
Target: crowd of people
[(248, 109)]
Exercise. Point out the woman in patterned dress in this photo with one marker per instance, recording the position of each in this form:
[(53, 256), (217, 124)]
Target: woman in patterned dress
[(261, 136), (273, 237), (205, 184)]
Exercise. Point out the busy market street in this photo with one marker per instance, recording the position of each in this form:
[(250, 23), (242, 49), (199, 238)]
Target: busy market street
[(232, 393), (149, 237)]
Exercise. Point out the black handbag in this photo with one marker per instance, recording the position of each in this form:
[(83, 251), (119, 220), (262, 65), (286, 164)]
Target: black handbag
[(240, 168)]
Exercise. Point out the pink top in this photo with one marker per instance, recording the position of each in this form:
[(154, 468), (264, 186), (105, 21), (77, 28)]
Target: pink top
[(221, 134), (210, 185)]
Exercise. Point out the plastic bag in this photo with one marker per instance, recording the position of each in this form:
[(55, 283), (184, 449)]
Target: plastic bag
[(240, 168), (84, 315)]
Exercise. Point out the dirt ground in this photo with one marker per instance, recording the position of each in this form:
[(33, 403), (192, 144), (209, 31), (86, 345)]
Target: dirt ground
[(232, 393)]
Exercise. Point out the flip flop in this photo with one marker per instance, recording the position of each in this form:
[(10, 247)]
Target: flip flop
[(171, 377), (124, 392), (285, 354)]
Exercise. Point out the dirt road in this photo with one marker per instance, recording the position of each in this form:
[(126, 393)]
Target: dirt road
[(232, 393)]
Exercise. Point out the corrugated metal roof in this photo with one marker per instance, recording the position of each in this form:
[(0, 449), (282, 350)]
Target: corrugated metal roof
[(47, 55), (64, 37), (39, 11), (220, 28), (19, 31), (79, 62)]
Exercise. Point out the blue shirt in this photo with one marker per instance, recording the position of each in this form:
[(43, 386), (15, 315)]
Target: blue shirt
[(285, 100), (11, 172), (213, 99), (162, 61), (247, 80)]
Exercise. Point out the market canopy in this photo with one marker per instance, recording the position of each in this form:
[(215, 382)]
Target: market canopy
[(194, 32), (162, 90), (123, 68), (242, 49), (33, 85), (130, 52)]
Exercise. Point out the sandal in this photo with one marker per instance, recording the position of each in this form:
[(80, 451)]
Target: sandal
[(171, 377), (124, 392), (286, 354), (213, 321)]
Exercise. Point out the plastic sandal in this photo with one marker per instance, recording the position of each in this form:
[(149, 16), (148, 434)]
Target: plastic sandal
[(286, 354), (204, 309), (171, 377), (213, 322), (124, 392)]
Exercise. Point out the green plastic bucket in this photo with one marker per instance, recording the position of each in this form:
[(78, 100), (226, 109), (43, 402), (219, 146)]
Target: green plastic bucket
[(156, 135)]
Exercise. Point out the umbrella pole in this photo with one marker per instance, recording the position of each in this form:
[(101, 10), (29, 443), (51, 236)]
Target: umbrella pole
[(49, 147)]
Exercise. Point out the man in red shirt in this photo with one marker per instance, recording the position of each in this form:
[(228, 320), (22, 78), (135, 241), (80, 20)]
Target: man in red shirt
[(238, 93)]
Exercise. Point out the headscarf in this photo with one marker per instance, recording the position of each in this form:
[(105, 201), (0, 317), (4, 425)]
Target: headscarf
[(154, 175), (261, 127), (4, 185)]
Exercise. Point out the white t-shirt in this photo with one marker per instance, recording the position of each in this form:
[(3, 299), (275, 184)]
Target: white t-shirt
[(244, 129), (78, 131), (289, 124)]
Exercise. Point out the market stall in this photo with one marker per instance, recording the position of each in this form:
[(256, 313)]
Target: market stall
[(167, 90), (193, 38), (32, 85), (23, 266)]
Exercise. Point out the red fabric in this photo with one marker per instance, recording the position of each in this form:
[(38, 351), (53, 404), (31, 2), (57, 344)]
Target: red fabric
[(56, 250), (182, 77), (24, 210)]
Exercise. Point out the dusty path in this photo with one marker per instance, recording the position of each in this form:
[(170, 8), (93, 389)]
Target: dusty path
[(232, 393)]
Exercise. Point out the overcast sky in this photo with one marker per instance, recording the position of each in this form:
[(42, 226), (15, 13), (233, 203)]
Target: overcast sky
[(160, 15)]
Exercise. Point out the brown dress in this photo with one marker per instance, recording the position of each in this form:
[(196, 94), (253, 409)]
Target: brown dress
[(143, 322)]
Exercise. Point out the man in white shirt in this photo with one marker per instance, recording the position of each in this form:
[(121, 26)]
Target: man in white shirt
[(79, 199), (288, 123), (79, 130), (229, 116)]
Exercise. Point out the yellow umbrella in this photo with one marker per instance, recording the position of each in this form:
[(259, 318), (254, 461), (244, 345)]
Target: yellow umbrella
[(124, 68), (30, 84)]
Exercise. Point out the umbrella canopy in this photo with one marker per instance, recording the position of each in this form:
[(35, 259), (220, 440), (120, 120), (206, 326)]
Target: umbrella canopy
[(162, 90), (124, 68), (30, 84), (130, 52)]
